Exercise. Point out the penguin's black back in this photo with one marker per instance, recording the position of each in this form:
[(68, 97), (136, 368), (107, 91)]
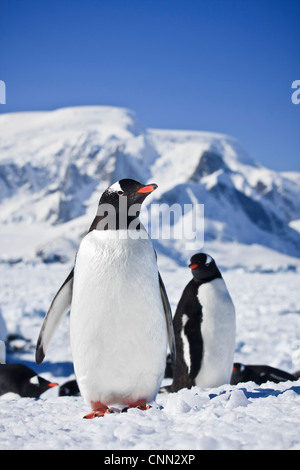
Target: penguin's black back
[(259, 374), (188, 305), (15, 378)]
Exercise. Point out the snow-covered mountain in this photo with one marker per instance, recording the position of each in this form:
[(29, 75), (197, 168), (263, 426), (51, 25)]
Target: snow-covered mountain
[(55, 165)]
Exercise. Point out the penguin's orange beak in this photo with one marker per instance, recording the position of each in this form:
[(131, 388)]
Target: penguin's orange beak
[(149, 188), (193, 266), (52, 384)]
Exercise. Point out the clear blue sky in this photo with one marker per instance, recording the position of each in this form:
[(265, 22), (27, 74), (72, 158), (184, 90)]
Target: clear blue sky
[(219, 65)]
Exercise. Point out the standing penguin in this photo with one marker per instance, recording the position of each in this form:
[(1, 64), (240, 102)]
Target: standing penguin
[(120, 320), (204, 326)]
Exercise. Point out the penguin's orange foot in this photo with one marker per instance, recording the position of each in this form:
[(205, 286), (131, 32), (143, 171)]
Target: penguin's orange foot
[(143, 408), (95, 414), (140, 404), (99, 410)]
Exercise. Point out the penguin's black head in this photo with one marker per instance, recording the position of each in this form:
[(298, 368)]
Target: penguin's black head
[(132, 190), (239, 373), (36, 385), (120, 204), (204, 267)]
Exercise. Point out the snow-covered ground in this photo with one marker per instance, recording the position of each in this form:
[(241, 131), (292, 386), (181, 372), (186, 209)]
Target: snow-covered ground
[(246, 416)]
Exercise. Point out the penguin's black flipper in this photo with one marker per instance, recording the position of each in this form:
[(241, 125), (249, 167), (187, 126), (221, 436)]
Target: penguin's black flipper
[(59, 307), (169, 320)]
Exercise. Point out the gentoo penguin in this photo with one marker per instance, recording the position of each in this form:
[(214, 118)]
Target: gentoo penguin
[(120, 321), (259, 374), (204, 327), (69, 388), (23, 381)]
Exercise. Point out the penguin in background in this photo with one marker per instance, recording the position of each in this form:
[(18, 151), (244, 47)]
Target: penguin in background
[(69, 388), (121, 320), (205, 328), (23, 381), (259, 374)]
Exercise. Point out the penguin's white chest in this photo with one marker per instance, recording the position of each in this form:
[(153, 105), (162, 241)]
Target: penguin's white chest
[(117, 324), (218, 333)]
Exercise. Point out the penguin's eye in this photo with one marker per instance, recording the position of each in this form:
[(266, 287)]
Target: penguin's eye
[(120, 193)]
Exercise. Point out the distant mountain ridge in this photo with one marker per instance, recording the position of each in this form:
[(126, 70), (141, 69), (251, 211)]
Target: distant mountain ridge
[(54, 166)]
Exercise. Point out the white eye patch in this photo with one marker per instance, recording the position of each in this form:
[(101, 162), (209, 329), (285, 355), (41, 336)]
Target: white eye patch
[(34, 380), (208, 260), (114, 188)]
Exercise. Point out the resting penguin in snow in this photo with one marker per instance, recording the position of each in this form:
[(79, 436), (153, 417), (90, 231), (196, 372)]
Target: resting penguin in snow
[(22, 380), (204, 327), (259, 374), (69, 388), (120, 321)]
